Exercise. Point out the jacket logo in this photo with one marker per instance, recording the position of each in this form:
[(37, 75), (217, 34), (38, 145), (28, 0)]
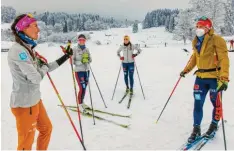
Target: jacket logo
[(196, 87), (23, 56), (197, 97)]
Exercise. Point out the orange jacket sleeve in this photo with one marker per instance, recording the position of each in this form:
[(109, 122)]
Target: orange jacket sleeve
[(191, 64), (223, 59)]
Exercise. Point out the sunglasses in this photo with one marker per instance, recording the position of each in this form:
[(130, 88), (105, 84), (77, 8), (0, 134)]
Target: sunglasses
[(81, 40), (126, 39)]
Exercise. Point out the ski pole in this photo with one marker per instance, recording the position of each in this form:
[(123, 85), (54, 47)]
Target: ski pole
[(168, 99), (75, 89), (116, 82), (173, 90), (223, 127), (69, 117), (91, 100), (140, 81), (97, 85)]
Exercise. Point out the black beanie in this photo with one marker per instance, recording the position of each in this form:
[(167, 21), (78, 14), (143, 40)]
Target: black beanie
[(81, 36)]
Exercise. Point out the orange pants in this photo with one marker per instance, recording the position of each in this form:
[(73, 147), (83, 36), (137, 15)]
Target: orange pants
[(27, 121)]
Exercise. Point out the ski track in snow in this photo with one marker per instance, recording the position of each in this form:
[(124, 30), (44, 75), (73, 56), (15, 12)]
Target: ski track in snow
[(159, 69)]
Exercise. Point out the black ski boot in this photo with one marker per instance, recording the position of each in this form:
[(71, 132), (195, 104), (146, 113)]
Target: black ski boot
[(211, 131), (131, 91), (127, 90), (195, 134)]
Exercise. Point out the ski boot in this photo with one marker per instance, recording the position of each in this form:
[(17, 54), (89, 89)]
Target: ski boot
[(211, 131), (195, 134), (127, 90), (131, 91), (83, 108)]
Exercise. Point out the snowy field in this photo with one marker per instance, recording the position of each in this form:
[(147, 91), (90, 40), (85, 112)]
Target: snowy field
[(159, 69)]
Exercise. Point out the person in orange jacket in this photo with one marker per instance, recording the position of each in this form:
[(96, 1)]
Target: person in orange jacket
[(210, 55), (28, 69)]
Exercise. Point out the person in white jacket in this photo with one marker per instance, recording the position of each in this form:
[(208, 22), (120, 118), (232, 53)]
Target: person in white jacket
[(28, 68), (128, 62), (81, 60)]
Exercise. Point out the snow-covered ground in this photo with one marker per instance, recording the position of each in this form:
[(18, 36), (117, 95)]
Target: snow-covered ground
[(159, 69)]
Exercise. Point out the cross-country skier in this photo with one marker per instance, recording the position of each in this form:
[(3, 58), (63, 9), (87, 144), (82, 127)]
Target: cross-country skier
[(231, 45), (128, 61), (28, 69), (210, 55), (81, 60)]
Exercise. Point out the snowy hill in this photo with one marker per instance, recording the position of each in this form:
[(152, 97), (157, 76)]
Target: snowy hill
[(159, 69)]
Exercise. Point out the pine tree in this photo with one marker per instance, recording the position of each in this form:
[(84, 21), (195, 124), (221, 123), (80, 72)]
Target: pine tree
[(65, 26), (135, 27)]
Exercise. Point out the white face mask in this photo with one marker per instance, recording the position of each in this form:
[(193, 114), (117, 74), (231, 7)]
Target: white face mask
[(200, 32)]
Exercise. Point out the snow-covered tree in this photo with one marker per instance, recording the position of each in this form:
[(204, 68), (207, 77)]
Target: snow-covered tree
[(8, 14), (167, 22), (58, 28), (184, 28), (88, 25), (171, 24), (228, 28), (135, 27), (160, 17), (6, 35), (61, 38), (69, 24), (214, 9)]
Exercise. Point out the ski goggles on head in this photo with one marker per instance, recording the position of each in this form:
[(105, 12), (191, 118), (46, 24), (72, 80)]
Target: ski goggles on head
[(24, 22), (202, 18)]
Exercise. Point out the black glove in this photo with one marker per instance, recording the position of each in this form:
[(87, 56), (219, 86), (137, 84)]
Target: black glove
[(134, 55), (69, 51), (183, 73)]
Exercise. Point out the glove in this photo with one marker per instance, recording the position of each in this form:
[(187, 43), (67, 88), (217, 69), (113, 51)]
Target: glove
[(69, 52), (133, 56), (183, 73), (222, 84), (85, 58), (41, 60), (121, 58)]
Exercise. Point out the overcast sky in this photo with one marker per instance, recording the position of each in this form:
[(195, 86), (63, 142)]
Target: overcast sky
[(131, 9)]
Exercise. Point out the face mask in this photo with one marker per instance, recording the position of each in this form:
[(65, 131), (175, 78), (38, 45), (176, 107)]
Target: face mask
[(200, 32)]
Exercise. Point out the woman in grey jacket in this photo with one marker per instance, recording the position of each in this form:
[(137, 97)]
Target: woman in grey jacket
[(28, 69), (128, 61), (81, 60)]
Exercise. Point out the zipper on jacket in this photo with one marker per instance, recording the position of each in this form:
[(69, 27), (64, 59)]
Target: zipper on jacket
[(30, 111), (127, 54)]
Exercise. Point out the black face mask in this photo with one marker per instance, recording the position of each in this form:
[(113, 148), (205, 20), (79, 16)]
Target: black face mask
[(126, 44)]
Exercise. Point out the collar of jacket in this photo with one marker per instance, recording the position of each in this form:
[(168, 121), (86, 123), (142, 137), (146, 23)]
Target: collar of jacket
[(207, 38), (127, 44), (82, 47)]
